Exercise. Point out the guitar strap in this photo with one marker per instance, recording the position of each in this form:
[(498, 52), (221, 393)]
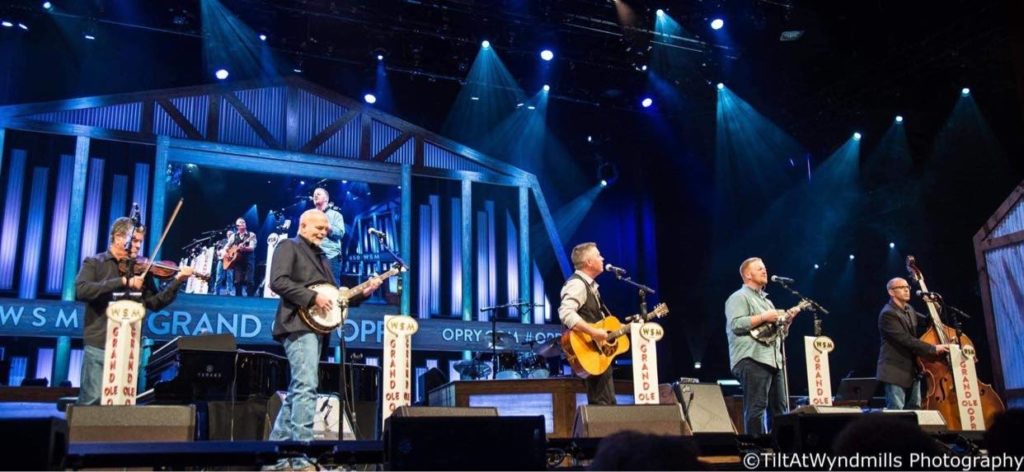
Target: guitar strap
[(600, 303)]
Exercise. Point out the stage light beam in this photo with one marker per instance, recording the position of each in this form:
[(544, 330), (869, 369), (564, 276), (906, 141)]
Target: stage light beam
[(717, 24), (646, 102), (892, 245), (965, 91), (856, 136), (547, 55), (370, 98), (221, 74), (485, 44), (720, 86), (899, 118), (263, 37), (547, 88), (47, 6)]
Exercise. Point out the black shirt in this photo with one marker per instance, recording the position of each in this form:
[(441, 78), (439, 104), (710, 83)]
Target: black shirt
[(95, 285)]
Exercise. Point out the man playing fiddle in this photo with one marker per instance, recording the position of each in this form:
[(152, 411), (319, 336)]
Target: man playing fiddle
[(99, 278)]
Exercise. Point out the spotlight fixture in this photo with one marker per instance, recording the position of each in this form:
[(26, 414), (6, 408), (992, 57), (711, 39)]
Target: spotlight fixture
[(221, 74), (660, 12), (851, 257), (590, 139), (531, 107), (380, 57), (899, 118), (720, 86), (297, 70), (547, 55), (965, 91), (475, 99), (892, 245), (791, 35), (47, 6), (643, 67), (22, 26), (604, 183), (485, 44), (546, 87), (856, 136), (90, 37), (646, 102), (816, 266), (263, 37), (717, 24), (370, 98), (6, 24)]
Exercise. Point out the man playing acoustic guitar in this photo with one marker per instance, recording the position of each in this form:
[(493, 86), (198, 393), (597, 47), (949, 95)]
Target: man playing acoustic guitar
[(581, 306)]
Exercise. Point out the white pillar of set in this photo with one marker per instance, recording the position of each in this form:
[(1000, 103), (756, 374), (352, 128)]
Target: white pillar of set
[(819, 379), (966, 379), (644, 337), (121, 353), (272, 241), (398, 331)]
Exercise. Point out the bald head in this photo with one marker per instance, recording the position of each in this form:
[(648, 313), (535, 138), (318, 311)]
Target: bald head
[(313, 226), (899, 291)]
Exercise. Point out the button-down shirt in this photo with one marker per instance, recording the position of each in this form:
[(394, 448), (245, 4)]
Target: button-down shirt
[(574, 295), (95, 285), (740, 309), (336, 225)]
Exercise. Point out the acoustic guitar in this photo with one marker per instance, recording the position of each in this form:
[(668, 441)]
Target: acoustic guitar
[(589, 357)]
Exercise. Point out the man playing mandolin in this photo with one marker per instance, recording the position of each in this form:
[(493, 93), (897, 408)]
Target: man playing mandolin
[(298, 264), (758, 366), (581, 307)]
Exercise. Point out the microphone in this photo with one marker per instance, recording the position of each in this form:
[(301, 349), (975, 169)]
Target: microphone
[(618, 271), (782, 280), (924, 294), (376, 232)]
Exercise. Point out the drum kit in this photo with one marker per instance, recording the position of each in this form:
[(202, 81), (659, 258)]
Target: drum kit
[(509, 360)]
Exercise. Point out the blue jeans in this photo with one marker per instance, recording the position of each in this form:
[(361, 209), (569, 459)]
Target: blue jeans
[(295, 420), (899, 398), (91, 384), (763, 389), (335, 263)]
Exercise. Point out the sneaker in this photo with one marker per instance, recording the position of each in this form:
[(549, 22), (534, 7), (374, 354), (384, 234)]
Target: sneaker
[(303, 464), (282, 464)]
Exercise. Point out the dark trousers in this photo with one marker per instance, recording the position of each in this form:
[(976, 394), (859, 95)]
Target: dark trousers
[(763, 389), (601, 389)]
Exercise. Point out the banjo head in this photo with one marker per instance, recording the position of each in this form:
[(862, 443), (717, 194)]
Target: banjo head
[(326, 319)]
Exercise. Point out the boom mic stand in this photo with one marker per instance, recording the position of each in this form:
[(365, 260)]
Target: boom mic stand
[(643, 290), (814, 307)]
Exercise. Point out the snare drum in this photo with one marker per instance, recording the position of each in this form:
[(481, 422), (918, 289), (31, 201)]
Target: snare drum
[(532, 366)]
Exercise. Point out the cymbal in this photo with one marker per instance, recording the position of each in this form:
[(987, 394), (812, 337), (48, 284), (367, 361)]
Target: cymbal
[(501, 341), (473, 369), (549, 348)]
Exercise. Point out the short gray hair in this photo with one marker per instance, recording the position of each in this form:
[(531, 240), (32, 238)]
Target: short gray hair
[(121, 227), (579, 254)]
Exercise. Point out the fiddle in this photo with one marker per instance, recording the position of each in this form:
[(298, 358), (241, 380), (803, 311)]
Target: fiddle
[(162, 270)]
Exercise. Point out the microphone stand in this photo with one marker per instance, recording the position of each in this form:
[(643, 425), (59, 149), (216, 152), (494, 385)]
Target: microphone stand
[(643, 290), (384, 245), (815, 308)]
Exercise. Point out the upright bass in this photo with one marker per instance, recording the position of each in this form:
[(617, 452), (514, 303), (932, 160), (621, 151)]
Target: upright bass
[(938, 370)]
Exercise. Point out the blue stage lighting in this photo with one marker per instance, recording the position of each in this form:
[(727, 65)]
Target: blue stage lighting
[(717, 24), (851, 257), (604, 183), (892, 245), (816, 266), (899, 118), (47, 6), (660, 12), (90, 37), (370, 98), (297, 70), (965, 91), (546, 87), (547, 55), (475, 99), (6, 24), (590, 139), (22, 26), (720, 86), (221, 74), (643, 67), (646, 102), (856, 136), (263, 37), (485, 44), (380, 57), (531, 107)]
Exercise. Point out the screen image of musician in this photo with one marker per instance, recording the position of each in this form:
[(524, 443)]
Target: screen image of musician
[(581, 308), (757, 362), (100, 277), (245, 215), (898, 326)]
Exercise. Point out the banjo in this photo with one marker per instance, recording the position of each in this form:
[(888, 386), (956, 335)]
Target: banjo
[(324, 321)]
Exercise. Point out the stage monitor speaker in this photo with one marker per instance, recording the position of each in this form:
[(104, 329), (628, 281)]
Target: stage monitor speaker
[(930, 421), (598, 421), (430, 380), (704, 408), (148, 423), (465, 442), (814, 432), (435, 411), (33, 443)]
